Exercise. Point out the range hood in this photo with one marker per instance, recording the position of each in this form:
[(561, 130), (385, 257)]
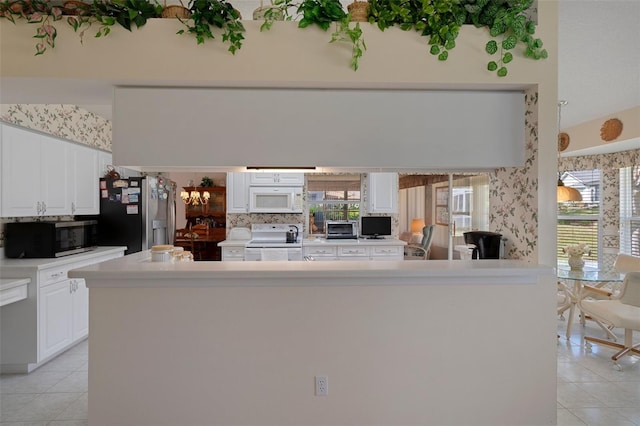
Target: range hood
[(226, 129)]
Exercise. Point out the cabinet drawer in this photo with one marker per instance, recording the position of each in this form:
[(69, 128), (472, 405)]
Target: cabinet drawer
[(233, 252), (353, 251), (53, 275), (387, 251), (319, 251)]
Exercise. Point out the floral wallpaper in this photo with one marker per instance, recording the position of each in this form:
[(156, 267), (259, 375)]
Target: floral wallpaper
[(609, 165), (513, 193), (65, 121)]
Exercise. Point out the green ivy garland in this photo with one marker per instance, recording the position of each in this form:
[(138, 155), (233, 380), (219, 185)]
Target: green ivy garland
[(440, 20)]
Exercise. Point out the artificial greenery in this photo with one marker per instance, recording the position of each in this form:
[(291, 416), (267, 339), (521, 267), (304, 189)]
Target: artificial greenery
[(39, 12), (127, 13), (507, 21), (206, 181), (441, 21), (217, 13), (322, 13)]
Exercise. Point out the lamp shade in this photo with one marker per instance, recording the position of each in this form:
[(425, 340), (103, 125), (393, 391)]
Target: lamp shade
[(417, 225), (566, 193)]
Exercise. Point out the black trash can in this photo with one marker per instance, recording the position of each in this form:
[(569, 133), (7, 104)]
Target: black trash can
[(487, 244)]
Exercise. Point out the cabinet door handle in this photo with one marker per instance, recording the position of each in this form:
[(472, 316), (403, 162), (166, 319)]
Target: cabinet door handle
[(73, 207), (44, 207), (38, 207)]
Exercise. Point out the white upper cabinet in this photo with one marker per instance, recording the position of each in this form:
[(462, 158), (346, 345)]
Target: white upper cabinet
[(277, 179), (84, 180), (55, 166), (46, 176), (237, 192), (382, 193), (34, 174), (104, 159)]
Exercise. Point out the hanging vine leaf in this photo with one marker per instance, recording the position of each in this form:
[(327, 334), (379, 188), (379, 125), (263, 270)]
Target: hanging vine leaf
[(491, 47)]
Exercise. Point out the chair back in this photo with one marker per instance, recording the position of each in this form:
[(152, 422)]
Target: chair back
[(631, 289), (427, 236), (626, 263)]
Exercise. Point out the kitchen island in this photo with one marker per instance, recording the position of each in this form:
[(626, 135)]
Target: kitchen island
[(237, 343)]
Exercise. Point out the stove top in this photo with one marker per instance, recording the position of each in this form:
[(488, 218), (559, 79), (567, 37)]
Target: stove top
[(274, 235)]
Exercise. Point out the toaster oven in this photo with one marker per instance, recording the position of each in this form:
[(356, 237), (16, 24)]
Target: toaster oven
[(341, 230)]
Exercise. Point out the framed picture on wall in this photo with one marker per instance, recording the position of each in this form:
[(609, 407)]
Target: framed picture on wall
[(442, 196), (442, 215)]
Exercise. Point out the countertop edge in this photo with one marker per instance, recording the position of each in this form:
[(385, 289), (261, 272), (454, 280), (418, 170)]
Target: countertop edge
[(137, 271)]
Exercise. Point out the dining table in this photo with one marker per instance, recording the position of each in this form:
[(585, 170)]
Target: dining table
[(579, 278)]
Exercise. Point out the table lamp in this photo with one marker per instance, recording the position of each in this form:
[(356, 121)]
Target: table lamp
[(416, 230)]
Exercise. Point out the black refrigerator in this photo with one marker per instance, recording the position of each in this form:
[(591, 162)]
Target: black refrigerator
[(137, 212)]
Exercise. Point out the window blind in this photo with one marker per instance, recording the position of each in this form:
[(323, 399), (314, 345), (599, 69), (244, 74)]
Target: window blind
[(630, 210)]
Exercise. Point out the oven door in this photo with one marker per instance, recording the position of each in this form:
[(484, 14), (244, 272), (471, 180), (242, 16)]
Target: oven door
[(272, 253)]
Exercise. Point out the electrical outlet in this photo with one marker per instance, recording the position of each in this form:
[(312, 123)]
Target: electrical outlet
[(322, 385)]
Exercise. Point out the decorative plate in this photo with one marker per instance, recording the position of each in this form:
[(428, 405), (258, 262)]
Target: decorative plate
[(611, 129), (563, 141)]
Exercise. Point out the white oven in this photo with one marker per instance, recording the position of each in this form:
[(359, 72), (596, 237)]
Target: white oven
[(275, 199), (269, 242)]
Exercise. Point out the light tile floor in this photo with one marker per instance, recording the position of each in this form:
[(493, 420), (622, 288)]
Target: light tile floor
[(590, 390)]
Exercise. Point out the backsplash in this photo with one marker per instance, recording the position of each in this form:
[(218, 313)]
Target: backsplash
[(64, 121)]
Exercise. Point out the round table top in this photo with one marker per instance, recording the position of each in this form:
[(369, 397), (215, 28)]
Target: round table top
[(588, 274)]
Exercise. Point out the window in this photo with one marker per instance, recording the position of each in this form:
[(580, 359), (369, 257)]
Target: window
[(579, 222), (335, 197), (630, 210), (470, 203)]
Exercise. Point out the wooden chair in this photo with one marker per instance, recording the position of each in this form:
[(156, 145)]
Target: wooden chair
[(184, 238)]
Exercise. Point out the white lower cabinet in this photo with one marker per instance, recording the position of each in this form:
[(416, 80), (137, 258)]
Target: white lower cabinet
[(79, 309), (231, 254), (321, 253), (54, 318), (55, 314), (342, 251), (63, 314)]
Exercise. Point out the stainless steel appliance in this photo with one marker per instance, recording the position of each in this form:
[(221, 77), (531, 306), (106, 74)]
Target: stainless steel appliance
[(137, 212), (275, 199), (269, 241), (49, 239), (341, 230)]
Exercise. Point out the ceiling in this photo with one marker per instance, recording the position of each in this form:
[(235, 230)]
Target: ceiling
[(598, 60)]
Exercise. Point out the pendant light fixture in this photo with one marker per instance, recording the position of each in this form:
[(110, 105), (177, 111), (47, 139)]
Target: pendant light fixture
[(565, 193)]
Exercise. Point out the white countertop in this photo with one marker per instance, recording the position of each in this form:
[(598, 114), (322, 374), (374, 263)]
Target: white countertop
[(13, 290), (324, 241), (9, 283), (43, 263), (136, 270)]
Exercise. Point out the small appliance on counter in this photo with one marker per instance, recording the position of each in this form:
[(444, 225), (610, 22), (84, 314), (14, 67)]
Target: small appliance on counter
[(49, 239), (341, 230), (488, 245)]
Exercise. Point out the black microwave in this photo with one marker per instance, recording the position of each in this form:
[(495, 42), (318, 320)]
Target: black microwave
[(49, 239)]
